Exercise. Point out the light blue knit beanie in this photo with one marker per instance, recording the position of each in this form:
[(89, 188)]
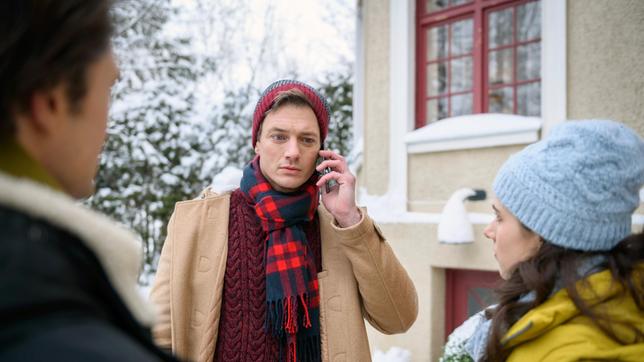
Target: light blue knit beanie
[(578, 187)]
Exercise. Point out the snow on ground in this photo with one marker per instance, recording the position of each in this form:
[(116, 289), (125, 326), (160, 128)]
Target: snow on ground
[(394, 354)]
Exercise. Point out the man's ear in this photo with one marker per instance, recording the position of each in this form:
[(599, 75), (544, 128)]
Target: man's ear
[(48, 109)]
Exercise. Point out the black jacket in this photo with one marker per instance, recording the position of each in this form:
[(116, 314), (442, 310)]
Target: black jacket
[(57, 302)]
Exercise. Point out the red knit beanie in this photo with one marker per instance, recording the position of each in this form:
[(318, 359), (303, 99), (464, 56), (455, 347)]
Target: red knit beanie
[(265, 102)]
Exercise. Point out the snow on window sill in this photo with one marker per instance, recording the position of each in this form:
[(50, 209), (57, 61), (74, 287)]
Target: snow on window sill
[(474, 131)]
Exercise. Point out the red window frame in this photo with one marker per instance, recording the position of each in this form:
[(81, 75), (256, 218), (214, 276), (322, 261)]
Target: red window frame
[(477, 10)]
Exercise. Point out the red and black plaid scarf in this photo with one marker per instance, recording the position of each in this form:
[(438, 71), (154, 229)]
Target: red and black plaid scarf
[(292, 292)]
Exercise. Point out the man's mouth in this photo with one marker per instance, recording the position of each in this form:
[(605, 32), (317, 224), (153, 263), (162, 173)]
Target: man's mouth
[(290, 169)]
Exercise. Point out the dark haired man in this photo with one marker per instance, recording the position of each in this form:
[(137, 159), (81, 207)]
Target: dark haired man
[(67, 275), (267, 273)]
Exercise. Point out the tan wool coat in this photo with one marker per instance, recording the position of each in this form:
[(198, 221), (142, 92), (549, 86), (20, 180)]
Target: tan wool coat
[(361, 278)]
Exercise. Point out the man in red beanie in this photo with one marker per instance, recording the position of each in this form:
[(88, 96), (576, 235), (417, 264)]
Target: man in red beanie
[(267, 273)]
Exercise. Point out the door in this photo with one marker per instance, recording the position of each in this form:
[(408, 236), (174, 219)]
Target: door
[(466, 293)]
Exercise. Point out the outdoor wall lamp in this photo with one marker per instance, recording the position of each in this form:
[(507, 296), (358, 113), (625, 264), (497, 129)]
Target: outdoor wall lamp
[(454, 226)]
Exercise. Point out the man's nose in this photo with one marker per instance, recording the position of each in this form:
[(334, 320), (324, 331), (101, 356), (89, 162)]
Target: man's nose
[(292, 150)]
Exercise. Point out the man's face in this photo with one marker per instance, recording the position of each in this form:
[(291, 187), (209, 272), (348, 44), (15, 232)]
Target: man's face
[(80, 138), (288, 146)]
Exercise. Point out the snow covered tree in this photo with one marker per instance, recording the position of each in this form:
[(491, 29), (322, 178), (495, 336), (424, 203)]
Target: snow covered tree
[(337, 87), (229, 130), (152, 155), (191, 73)]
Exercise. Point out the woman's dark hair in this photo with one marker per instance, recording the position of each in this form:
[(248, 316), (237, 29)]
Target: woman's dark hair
[(552, 263), (44, 43)]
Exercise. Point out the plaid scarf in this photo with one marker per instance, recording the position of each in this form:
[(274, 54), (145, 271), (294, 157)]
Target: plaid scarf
[(292, 292)]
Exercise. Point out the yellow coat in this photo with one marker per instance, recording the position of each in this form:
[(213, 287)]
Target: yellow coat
[(556, 330)]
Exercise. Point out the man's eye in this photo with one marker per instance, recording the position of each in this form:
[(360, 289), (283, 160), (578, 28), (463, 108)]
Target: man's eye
[(278, 137), (308, 140)]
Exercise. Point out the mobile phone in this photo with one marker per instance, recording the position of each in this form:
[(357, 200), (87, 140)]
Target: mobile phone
[(329, 185)]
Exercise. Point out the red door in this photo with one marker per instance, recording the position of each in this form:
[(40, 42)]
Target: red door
[(466, 293)]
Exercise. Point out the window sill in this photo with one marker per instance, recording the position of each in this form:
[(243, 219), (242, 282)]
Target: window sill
[(474, 131)]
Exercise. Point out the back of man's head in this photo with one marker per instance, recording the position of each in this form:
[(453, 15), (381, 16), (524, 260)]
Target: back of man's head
[(45, 43)]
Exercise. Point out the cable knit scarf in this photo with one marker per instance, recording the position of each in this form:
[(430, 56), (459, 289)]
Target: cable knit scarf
[(292, 292)]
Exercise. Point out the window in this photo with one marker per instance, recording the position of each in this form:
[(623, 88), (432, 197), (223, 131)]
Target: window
[(477, 56), (466, 293)]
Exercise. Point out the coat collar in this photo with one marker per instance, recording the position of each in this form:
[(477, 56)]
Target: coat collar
[(15, 161), (117, 248), (560, 308)]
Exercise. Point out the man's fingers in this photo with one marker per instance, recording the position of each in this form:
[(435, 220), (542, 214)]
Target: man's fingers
[(331, 155), (333, 175), (336, 165)]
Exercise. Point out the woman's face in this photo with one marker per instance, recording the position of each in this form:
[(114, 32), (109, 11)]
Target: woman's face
[(513, 243)]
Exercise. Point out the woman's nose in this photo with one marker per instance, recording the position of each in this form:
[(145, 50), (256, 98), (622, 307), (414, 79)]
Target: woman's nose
[(489, 231)]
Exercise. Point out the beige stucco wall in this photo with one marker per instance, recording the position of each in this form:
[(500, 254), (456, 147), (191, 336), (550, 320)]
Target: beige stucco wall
[(425, 260), (606, 60), (433, 177), (375, 170)]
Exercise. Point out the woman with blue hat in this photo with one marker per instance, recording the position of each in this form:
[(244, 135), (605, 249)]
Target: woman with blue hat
[(573, 270)]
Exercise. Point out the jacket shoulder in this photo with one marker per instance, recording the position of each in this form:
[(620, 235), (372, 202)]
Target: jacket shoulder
[(193, 215), (207, 197)]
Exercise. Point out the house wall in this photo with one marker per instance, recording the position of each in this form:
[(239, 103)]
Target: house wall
[(607, 83), (606, 60), (433, 177), (425, 259), (600, 84), (375, 169), (416, 244)]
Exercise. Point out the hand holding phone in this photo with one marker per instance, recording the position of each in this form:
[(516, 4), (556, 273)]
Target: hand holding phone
[(329, 185), (341, 203)]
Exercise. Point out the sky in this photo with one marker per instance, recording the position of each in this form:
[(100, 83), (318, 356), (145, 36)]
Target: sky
[(306, 37)]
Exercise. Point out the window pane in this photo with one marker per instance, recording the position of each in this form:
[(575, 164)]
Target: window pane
[(462, 37), (529, 61), (500, 67), (461, 77), (479, 298), (436, 79), (529, 99), (437, 42), (433, 5), (500, 100), (500, 28), (461, 104), (529, 21), (436, 109)]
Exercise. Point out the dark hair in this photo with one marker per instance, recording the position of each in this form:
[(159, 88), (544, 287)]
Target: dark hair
[(552, 263), (44, 43), (292, 97)]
